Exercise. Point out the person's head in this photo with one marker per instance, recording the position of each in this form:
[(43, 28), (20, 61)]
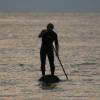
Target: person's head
[(50, 26)]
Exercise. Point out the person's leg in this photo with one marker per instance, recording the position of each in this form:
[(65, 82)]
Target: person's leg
[(51, 61), (43, 60)]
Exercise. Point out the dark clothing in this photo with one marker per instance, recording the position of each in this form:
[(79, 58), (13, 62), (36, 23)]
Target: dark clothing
[(48, 37), (49, 53)]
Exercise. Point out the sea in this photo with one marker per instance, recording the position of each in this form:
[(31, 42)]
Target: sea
[(79, 52)]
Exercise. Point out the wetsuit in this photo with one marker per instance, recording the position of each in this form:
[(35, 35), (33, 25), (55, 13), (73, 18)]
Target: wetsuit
[(48, 37)]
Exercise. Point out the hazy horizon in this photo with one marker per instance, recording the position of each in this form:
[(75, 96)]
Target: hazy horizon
[(50, 5)]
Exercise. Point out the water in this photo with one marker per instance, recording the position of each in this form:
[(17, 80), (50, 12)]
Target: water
[(79, 39)]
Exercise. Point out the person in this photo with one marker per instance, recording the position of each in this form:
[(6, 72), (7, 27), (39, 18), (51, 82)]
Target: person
[(48, 38)]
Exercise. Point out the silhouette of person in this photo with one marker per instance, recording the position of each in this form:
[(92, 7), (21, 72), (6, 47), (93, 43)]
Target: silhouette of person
[(48, 38)]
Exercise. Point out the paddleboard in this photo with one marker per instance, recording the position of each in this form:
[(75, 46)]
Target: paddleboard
[(49, 79)]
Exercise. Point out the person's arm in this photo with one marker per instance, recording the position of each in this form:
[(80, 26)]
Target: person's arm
[(57, 45), (41, 34)]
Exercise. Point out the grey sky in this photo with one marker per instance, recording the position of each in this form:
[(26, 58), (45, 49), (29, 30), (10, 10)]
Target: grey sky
[(49, 5)]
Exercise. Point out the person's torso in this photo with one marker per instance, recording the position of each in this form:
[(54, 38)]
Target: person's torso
[(48, 38)]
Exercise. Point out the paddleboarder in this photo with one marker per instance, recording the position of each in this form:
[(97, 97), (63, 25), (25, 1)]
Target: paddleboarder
[(48, 38)]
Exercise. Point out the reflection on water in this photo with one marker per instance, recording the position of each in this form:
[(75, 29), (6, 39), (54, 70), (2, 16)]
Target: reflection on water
[(79, 52), (49, 81), (48, 86)]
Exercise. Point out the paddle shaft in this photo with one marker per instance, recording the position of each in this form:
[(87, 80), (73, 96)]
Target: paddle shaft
[(60, 62)]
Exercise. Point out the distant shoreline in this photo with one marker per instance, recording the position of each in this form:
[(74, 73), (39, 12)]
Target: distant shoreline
[(8, 13), (49, 11)]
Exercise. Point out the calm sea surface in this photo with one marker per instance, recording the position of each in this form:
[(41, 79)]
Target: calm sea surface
[(79, 39)]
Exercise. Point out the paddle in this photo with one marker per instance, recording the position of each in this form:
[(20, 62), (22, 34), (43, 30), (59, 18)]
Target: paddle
[(60, 63)]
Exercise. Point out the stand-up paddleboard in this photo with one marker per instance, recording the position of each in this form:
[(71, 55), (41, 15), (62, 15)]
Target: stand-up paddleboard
[(49, 79)]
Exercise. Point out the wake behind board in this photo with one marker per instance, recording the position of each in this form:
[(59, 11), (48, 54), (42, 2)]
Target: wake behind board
[(49, 79)]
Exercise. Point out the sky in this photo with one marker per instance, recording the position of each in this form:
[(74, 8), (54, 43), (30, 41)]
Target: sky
[(49, 5)]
